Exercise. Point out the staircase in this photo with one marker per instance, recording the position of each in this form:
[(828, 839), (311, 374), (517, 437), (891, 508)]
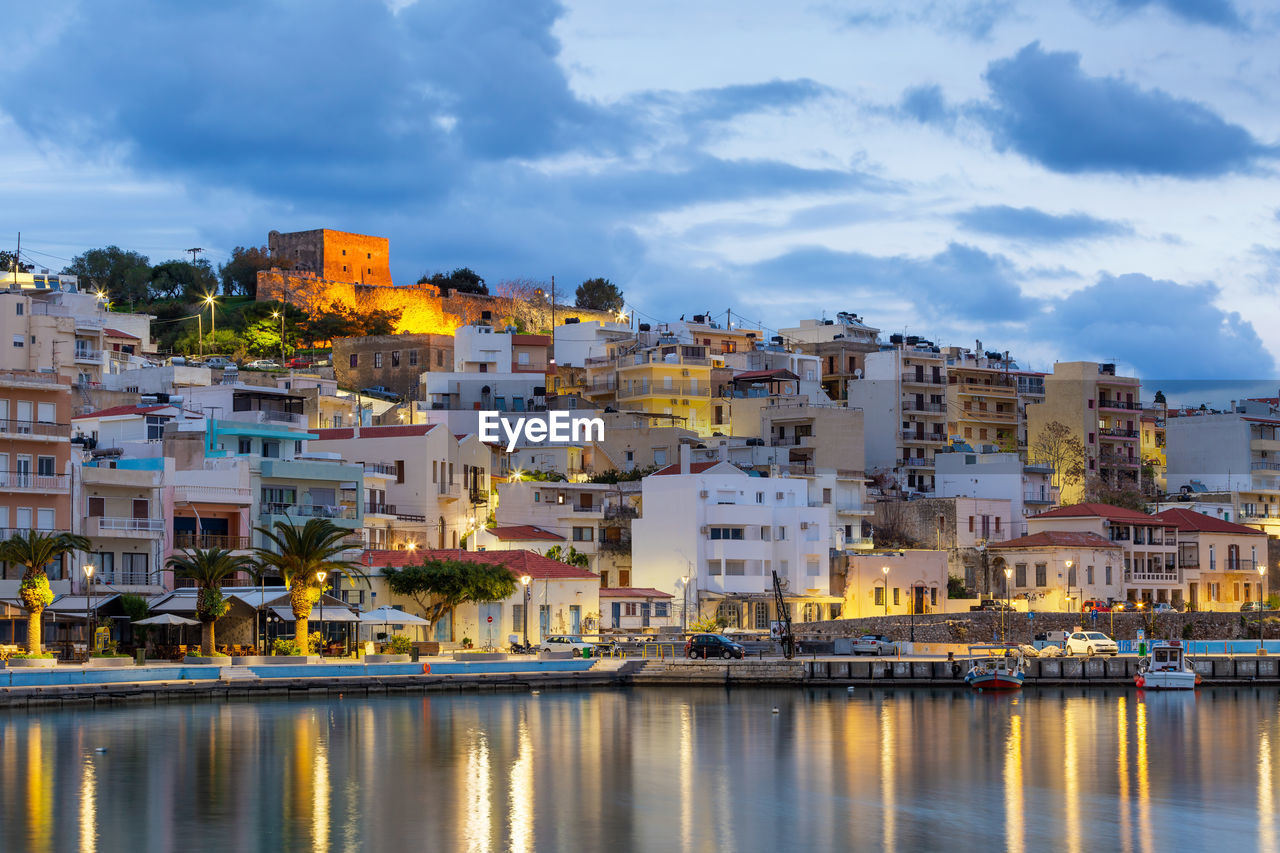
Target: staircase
[(237, 673)]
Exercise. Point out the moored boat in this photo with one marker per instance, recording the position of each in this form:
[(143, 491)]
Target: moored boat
[(1001, 668), (1167, 668)]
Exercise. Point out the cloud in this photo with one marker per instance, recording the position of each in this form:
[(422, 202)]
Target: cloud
[(1044, 107), (1030, 225), (974, 19), (927, 105), (1214, 13), (1163, 328)]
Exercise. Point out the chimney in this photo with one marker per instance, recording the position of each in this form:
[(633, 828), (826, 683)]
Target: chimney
[(686, 453)]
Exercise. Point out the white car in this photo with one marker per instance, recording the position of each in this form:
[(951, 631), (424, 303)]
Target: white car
[(566, 643), (1090, 643), (263, 364), (874, 644)]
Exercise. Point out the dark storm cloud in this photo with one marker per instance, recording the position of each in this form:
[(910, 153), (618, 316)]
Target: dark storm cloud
[(1214, 13), (1029, 225)]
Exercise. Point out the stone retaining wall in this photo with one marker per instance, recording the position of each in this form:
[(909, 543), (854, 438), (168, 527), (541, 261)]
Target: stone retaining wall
[(983, 627)]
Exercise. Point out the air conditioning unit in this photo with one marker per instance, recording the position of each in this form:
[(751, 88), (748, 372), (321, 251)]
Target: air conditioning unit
[(777, 496), (684, 372), (804, 525), (705, 530), (704, 494)]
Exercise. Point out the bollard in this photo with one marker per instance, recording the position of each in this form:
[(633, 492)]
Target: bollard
[(140, 657)]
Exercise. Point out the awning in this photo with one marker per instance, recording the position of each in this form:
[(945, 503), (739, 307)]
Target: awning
[(331, 614)]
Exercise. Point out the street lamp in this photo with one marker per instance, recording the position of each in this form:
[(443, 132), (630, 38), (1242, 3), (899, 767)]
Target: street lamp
[(88, 608), (885, 569), (211, 300), (280, 315), (1262, 572), (320, 576), (684, 604), (1008, 598), (525, 579), (1070, 609)]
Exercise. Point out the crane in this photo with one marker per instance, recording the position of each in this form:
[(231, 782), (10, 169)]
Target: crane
[(784, 620)]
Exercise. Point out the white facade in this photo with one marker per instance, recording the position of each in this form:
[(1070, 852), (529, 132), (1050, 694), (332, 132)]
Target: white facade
[(577, 342), (846, 326), (996, 476), (1227, 452), (729, 531)]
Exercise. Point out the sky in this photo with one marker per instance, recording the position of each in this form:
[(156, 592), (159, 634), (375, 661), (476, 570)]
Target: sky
[(1062, 179)]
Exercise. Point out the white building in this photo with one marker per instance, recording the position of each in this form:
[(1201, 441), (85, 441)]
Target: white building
[(727, 532), (997, 476), (576, 342)]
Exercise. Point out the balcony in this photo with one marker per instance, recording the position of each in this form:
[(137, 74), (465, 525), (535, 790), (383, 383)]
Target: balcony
[(1264, 466), (620, 545), (1117, 459), (594, 508), (124, 528), (380, 468), (916, 462), (212, 495), (310, 469), (478, 495), (37, 430), (88, 356), (1037, 498), (379, 509), (933, 408), (1117, 432), (621, 511), (266, 416), (1119, 404), (910, 435), (675, 389), (212, 540), (123, 577), (924, 378), (1152, 577), (25, 481), (449, 491), (309, 511), (987, 416)]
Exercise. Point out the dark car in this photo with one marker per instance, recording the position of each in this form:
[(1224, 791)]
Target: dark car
[(1124, 607), (992, 604), (381, 392), (713, 646)]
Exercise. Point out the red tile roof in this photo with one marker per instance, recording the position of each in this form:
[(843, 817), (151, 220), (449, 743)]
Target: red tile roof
[(1095, 510), (524, 531), (123, 410), (396, 431), (1057, 539), (519, 562), (116, 333), (694, 468), (1197, 522), (633, 592), (779, 373)]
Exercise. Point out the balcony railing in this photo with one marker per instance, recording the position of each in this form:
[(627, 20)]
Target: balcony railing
[(1133, 576), (478, 495), (1037, 497), (309, 510), (913, 406), (121, 577), (1118, 432), (380, 468), (265, 416), (916, 462), (616, 546), (621, 511), (9, 532), (675, 389), (379, 509), (93, 356), (25, 480), (1117, 459), (1265, 466), (212, 494), (35, 428), (410, 518), (140, 525), (1119, 404), (211, 540), (592, 508), (926, 378), (928, 437)]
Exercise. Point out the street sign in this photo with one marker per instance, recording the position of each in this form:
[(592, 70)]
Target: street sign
[(490, 619), (1093, 614), (1142, 635), (1031, 614)]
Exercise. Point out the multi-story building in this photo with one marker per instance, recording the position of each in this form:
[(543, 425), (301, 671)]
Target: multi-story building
[(670, 382), (894, 583), (119, 506), (841, 346), (576, 342), (1148, 544), (395, 362), (1058, 569), (802, 370), (35, 453), (1030, 386), (1153, 446), (1100, 409), (1224, 564), (903, 396), (982, 398), (961, 527), (1028, 487), (717, 534), (498, 371)]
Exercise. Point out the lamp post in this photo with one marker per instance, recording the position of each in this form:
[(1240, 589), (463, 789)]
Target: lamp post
[(885, 570), (1008, 599), (525, 580), (88, 609), (320, 576), (684, 605), (1070, 609), (211, 301), (280, 314), (1262, 572)]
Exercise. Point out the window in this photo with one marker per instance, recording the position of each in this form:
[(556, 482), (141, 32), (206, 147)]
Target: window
[(879, 596), (20, 308), (155, 428), (97, 507), (1071, 576), (395, 358), (971, 524), (782, 533), (105, 565), (735, 567), (811, 567), (826, 496), (522, 358), (355, 360), (661, 609), (735, 533), (377, 360), (1020, 574), (764, 533), (582, 534), (1107, 574), (135, 568), (244, 446), (271, 449), (1088, 575), (45, 519), (413, 358), (17, 341), (896, 591), (44, 466), (439, 358), (713, 567), (629, 609), (933, 596), (1042, 575)]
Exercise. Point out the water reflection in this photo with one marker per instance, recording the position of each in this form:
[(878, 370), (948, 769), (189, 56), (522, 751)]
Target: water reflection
[(663, 770)]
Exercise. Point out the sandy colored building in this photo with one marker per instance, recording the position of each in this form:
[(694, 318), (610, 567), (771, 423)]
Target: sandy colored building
[(982, 398), (915, 582), (35, 455), (1058, 569), (1220, 560), (334, 255)]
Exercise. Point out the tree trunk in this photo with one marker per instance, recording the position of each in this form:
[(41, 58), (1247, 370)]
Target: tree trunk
[(300, 603), (207, 644), (301, 628), (34, 627)]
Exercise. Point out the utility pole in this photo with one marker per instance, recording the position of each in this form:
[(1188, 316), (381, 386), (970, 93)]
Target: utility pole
[(194, 252), (553, 321)]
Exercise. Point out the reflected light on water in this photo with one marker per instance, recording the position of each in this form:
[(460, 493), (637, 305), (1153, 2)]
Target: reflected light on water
[(1144, 780), (88, 808), (1266, 803), (686, 778), (1122, 772), (39, 791), (887, 792), (479, 827), (1071, 773), (1013, 785), (320, 796), (522, 793)]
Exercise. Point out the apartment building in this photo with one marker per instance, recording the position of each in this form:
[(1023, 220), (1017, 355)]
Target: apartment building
[(576, 342), (1224, 564), (323, 407), (1152, 443), (974, 473), (1058, 569), (395, 362), (703, 330), (717, 534), (1030, 386), (492, 370), (671, 382), (1148, 545), (1103, 411), (632, 441), (773, 358), (982, 397), (841, 346), (903, 396), (119, 506), (35, 454)]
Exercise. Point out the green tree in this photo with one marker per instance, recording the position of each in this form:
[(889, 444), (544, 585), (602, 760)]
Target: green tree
[(8, 261), (240, 274), (298, 555), (34, 551), (262, 338), (1098, 490), (123, 275), (183, 280), (209, 568), (598, 294), (136, 608), (462, 280), (1159, 399), (572, 556), (439, 586)]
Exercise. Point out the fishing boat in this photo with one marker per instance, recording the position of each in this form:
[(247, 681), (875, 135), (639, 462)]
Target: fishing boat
[(1167, 668), (997, 667)]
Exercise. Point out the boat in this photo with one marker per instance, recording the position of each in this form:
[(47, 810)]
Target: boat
[(1166, 668), (998, 667)]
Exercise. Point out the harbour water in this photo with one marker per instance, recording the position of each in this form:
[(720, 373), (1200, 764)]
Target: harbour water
[(652, 769)]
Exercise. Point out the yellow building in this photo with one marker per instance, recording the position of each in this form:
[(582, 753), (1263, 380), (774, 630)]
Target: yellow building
[(673, 381), (982, 398)]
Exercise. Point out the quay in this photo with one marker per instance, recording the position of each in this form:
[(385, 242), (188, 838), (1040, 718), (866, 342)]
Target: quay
[(75, 686)]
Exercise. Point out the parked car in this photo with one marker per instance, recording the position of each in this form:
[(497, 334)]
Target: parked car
[(565, 643), (262, 364), (1254, 606), (219, 361), (381, 392), (1163, 607), (874, 644), (1124, 607), (713, 646), (1090, 643), (1095, 605), (992, 604), (301, 361)]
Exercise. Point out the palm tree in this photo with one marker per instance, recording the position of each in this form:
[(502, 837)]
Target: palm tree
[(209, 568), (298, 555), (35, 550)]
